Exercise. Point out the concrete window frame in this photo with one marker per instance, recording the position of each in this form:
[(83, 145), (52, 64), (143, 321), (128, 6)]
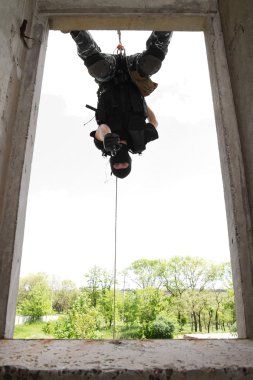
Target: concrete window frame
[(188, 15)]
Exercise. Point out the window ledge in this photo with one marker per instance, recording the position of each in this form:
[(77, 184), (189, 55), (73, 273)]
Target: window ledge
[(150, 359)]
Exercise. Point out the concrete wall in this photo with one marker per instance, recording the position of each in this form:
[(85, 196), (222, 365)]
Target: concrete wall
[(21, 66), (131, 14), (237, 27), (21, 71), (126, 360), (21, 75)]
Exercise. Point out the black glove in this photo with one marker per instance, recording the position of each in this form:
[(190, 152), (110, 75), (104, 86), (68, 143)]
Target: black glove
[(111, 143), (74, 33), (163, 36)]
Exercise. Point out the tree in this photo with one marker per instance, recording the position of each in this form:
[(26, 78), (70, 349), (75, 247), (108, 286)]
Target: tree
[(129, 307), (105, 306), (175, 283), (64, 296), (147, 273), (220, 289), (199, 273), (98, 279), (82, 321), (35, 296), (151, 303)]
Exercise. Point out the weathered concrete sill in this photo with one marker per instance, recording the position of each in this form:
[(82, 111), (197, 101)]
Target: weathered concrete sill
[(153, 360)]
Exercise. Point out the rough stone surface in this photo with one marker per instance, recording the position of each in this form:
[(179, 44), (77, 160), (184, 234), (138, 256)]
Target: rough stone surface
[(128, 22), (21, 68), (115, 14), (135, 14), (141, 6), (237, 28), (153, 360)]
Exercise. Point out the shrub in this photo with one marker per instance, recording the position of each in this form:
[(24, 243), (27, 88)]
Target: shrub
[(160, 328)]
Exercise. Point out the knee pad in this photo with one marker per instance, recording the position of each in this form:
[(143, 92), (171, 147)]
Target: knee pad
[(101, 66), (99, 69), (148, 65)]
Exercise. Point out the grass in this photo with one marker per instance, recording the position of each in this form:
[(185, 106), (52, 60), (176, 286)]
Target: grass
[(34, 331), (31, 331)]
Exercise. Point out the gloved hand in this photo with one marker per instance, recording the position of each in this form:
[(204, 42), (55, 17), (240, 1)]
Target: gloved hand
[(111, 143), (164, 36)]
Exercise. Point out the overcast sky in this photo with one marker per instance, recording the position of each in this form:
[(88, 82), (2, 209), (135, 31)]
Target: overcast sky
[(171, 204)]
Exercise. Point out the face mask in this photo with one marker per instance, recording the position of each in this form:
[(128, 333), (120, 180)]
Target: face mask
[(122, 156)]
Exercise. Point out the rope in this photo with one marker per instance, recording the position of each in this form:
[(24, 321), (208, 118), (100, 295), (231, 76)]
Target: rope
[(119, 34), (115, 260), (120, 50), (120, 47)]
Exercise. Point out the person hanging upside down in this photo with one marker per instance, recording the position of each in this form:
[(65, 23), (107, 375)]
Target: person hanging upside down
[(124, 82)]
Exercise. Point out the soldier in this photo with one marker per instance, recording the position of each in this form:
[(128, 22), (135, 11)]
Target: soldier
[(124, 82)]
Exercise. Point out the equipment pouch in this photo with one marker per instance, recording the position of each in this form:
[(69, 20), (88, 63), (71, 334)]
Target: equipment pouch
[(136, 131), (145, 85)]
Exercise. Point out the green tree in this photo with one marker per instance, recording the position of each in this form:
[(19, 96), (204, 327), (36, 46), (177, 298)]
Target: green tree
[(221, 288), (64, 296), (82, 321), (98, 279), (199, 274), (105, 306), (174, 278), (174, 281), (147, 273), (151, 303), (129, 307), (35, 296)]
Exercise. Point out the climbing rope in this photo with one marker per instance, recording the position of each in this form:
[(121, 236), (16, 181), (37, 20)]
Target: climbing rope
[(120, 50), (115, 260), (120, 47)]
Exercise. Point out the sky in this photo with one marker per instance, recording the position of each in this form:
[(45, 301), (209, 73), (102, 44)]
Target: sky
[(171, 204)]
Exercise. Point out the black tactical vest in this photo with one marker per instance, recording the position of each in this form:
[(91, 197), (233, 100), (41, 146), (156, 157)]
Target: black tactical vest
[(122, 107)]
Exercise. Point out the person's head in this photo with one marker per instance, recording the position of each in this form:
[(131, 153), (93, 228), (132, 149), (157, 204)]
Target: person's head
[(121, 163)]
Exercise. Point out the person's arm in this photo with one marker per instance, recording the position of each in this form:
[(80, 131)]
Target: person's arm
[(101, 131), (151, 117)]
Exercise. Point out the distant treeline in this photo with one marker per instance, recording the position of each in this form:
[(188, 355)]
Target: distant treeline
[(154, 299)]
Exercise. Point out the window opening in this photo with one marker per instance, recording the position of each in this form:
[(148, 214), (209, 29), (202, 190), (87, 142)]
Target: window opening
[(71, 191)]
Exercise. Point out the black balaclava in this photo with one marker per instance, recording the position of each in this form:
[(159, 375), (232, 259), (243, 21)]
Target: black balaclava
[(121, 157)]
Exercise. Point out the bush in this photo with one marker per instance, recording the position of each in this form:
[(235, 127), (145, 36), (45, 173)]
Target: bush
[(82, 321), (160, 328), (48, 327)]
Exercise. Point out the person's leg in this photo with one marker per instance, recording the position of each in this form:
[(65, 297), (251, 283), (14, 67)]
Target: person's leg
[(100, 66), (150, 61)]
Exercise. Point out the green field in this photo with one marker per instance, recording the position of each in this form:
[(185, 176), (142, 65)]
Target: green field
[(34, 331), (31, 331)]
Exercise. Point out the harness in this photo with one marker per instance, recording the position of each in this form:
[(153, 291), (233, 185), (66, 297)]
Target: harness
[(122, 107)]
